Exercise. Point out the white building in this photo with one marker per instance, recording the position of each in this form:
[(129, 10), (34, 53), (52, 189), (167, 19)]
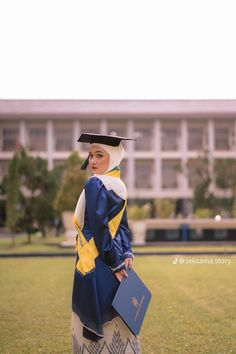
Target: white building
[(169, 133)]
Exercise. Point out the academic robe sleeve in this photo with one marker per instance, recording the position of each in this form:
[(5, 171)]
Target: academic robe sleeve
[(125, 237), (97, 211)]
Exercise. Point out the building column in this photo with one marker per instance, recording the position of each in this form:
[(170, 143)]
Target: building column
[(103, 126), (184, 156), (211, 136), (23, 141), (76, 134), (157, 163), (211, 148), (130, 159), (50, 144)]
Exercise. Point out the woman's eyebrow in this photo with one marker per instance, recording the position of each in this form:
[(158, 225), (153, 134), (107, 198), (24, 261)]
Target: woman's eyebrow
[(96, 152)]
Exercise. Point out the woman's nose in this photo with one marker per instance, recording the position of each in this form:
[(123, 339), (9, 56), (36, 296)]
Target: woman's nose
[(93, 160)]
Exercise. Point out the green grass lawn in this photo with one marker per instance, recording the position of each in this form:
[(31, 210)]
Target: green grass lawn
[(51, 244), (192, 310), (185, 248)]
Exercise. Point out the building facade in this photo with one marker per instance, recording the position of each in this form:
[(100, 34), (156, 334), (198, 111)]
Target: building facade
[(170, 135)]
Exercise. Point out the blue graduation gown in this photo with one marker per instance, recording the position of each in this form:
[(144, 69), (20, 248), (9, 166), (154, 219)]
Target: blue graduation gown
[(93, 293)]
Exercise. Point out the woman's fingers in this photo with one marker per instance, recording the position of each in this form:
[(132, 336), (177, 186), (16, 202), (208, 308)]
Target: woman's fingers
[(124, 273), (121, 274), (128, 262), (118, 277)]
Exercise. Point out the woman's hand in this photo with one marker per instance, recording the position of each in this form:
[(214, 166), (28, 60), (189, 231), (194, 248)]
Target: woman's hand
[(128, 262), (121, 274)]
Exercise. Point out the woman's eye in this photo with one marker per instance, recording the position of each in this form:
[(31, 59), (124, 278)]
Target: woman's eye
[(99, 156)]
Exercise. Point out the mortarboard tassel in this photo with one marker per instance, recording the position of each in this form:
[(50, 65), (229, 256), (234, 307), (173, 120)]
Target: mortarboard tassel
[(85, 164)]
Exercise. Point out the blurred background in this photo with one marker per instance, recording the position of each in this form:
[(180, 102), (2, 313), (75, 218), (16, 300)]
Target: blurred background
[(180, 172), (180, 175)]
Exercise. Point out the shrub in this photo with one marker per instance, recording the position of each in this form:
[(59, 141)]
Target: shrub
[(164, 208), (139, 212), (203, 213)]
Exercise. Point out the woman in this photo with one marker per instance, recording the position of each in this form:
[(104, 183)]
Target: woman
[(103, 252)]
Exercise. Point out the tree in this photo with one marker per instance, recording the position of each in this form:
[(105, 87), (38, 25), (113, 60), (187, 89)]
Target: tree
[(72, 184), (2, 203), (225, 179), (48, 185), (203, 198), (10, 190), (11, 185), (30, 190)]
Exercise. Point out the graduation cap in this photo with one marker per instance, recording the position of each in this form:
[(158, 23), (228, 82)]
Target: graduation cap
[(112, 140), (91, 138)]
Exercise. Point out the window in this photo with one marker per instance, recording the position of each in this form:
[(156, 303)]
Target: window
[(222, 139), (144, 134), (63, 137), (224, 136), (3, 168), (124, 171), (9, 137), (37, 137), (143, 173), (170, 134), (197, 170), (170, 173), (116, 128), (89, 127), (197, 136)]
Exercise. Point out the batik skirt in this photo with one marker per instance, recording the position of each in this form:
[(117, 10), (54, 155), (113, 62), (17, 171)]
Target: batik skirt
[(118, 339)]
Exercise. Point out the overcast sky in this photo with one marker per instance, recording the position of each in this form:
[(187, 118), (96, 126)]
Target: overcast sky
[(163, 49)]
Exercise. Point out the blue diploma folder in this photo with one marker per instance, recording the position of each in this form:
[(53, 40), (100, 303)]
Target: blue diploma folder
[(131, 301)]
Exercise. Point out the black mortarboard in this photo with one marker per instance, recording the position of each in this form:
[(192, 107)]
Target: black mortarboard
[(112, 140)]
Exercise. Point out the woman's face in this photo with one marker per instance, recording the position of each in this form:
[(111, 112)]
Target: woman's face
[(98, 159)]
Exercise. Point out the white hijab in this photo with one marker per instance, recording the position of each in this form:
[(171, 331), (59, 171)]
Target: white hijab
[(116, 154)]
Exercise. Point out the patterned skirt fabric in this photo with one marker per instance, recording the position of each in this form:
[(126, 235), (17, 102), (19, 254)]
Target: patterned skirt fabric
[(117, 339)]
